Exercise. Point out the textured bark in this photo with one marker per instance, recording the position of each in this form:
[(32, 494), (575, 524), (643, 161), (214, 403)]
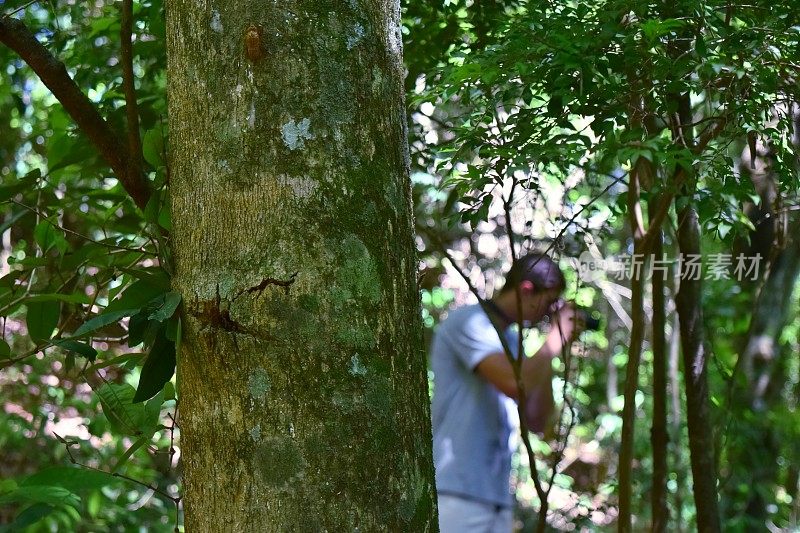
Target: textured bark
[(641, 174), (626, 453), (676, 423), (303, 390), (695, 363), (659, 436)]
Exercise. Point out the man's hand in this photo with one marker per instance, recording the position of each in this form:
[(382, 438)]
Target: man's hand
[(566, 324)]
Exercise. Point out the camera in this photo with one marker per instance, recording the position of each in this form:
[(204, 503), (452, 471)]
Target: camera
[(591, 319)]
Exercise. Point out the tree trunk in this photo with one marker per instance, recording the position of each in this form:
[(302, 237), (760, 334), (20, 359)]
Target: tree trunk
[(642, 173), (659, 436), (302, 378), (695, 362), (626, 453), (676, 423)]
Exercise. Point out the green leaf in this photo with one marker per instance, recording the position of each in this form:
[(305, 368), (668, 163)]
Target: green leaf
[(142, 330), (169, 391), (48, 235), (153, 407), (171, 330), (81, 348), (42, 319), (101, 321), (56, 496), (7, 485), (125, 416), (158, 368), (74, 479), (137, 295), (119, 360), (141, 441), (75, 298), (156, 277), (655, 28), (171, 302), (13, 219), (30, 516), (153, 147), (723, 229), (700, 45), (165, 216), (27, 182), (115, 400), (64, 150), (153, 207), (5, 349)]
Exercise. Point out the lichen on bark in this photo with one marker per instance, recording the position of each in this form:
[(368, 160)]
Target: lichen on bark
[(303, 385)]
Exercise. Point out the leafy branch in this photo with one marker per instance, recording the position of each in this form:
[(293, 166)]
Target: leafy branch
[(53, 73)]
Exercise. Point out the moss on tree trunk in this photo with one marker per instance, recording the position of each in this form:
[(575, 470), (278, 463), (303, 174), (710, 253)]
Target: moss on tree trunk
[(303, 393)]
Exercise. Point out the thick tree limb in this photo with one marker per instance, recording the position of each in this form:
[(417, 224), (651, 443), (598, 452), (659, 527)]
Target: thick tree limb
[(53, 73), (128, 85)]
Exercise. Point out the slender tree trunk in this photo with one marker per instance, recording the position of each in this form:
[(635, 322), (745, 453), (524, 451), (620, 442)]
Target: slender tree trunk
[(629, 409), (626, 452), (302, 379), (676, 425), (695, 361), (641, 176), (659, 436)]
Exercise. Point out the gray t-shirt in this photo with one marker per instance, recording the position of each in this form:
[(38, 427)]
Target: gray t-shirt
[(471, 426)]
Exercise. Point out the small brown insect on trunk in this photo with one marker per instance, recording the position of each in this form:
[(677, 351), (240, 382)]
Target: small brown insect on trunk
[(253, 44)]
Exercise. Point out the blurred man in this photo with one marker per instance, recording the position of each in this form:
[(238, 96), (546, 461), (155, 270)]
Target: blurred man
[(472, 377)]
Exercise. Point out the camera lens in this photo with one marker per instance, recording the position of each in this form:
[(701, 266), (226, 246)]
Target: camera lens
[(591, 322)]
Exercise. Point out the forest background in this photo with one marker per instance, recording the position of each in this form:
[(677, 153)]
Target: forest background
[(606, 133)]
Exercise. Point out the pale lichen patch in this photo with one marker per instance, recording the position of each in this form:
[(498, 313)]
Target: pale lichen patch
[(377, 80), (233, 414), (259, 384), (255, 432), (395, 36), (251, 116), (295, 133), (358, 271), (410, 500), (357, 368), (302, 187), (216, 22), (356, 34)]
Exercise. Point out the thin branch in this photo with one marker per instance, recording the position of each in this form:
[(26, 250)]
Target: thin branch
[(53, 73), (129, 87), (68, 445), (80, 235), (10, 362), (20, 8)]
